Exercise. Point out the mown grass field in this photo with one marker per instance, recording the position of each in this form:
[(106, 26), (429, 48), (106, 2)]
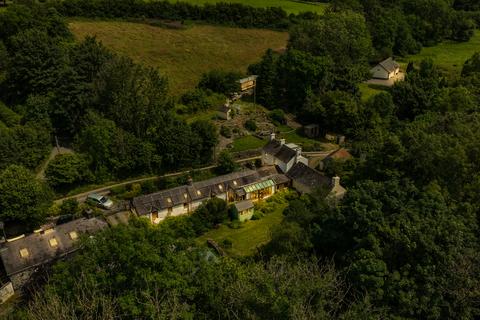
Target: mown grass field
[(287, 5), (183, 55), (251, 235), (247, 143), (449, 56)]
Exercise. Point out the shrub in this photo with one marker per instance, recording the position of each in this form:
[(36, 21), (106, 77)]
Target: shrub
[(277, 116), (250, 125), (220, 81), (148, 186), (257, 215), (226, 164), (226, 132), (68, 170), (195, 100), (69, 206), (134, 190), (227, 243)]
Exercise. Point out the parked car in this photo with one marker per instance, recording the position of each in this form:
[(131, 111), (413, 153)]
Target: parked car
[(100, 201)]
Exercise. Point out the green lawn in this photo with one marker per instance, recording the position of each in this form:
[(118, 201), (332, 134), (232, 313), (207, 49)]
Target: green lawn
[(287, 5), (183, 55), (295, 136), (369, 90), (247, 143), (449, 55), (247, 238)]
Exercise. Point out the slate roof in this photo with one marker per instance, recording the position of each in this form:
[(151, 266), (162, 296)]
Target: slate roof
[(309, 177), (244, 205), (195, 192), (389, 64), (201, 190), (39, 249), (284, 153)]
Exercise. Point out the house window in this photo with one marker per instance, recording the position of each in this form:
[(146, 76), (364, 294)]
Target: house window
[(185, 195), (73, 235), (169, 200), (53, 242), (220, 187), (185, 206), (235, 183), (24, 253), (170, 211), (199, 193)]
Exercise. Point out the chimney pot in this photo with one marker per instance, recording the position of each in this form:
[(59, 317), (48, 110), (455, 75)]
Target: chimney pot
[(336, 181), (272, 136)]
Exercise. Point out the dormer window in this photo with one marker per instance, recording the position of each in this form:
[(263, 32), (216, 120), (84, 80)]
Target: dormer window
[(235, 183), (53, 243), (169, 200), (24, 253), (220, 187), (199, 193), (73, 235), (185, 195)]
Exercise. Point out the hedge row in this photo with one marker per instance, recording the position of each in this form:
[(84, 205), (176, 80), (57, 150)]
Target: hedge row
[(231, 14)]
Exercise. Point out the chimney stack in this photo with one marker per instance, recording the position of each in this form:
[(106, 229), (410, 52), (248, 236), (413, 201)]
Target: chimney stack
[(335, 182), (282, 142), (298, 155), (272, 136)]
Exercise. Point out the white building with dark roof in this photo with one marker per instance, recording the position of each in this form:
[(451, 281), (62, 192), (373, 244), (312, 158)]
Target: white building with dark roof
[(250, 185), (386, 69), (281, 154), (283, 166)]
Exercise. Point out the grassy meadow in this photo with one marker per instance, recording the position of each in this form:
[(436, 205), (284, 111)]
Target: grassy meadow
[(183, 55), (290, 6), (448, 55)]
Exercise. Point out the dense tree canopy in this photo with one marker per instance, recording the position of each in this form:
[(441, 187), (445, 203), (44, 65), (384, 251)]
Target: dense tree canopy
[(23, 198)]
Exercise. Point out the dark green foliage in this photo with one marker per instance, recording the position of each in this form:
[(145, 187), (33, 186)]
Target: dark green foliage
[(133, 96), (341, 36), (207, 136), (184, 281), (472, 65), (23, 198), (196, 100), (226, 132), (67, 171), (26, 145), (232, 14), (277, 116), (226, 164), (113, 151), (250, 125), (69, 207), (36, 64), (220, 81), (417, 93), (337, 111), (209, 214), (8, 116), (266, 83)]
